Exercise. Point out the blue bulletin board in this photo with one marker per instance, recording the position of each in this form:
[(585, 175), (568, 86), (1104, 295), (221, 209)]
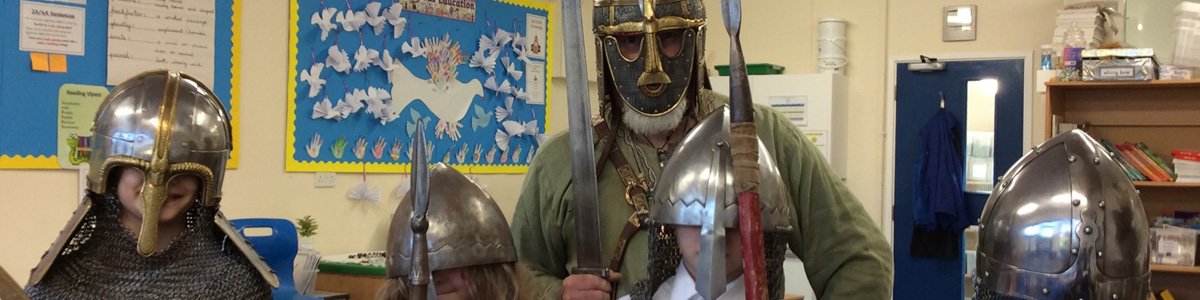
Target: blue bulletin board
[(364, 71), (29, 99)]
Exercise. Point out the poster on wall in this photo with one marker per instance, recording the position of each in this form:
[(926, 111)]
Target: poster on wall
[(363, 72), (70, 53)]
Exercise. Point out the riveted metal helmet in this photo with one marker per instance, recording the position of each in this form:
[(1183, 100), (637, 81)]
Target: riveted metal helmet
[(466, 227), (165, 124), (701, 172), (650, 51), (696, 189), (1064, 223)]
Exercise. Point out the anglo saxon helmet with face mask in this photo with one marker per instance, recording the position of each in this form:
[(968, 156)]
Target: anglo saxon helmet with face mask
[(653, 81), (1064, 223), (696, 189), (164, 124), (466, 227)]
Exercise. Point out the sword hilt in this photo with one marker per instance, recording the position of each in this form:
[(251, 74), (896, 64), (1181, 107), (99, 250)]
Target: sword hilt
[(602, 272)]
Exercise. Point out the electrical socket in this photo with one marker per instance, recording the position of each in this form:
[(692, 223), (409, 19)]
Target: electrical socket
[(324, 179)]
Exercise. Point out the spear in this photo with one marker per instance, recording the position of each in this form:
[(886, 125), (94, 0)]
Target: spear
[(744, 147)]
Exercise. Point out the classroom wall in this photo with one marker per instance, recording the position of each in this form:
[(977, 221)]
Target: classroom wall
[(38, 203)]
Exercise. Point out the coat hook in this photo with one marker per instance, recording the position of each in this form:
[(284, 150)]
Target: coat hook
[(942, 97)]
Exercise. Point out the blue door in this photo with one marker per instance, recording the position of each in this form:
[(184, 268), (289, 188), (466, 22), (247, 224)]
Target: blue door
[(917, 100)]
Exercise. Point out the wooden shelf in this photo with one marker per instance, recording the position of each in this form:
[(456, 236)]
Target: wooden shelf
[(1190, 83), (1166, 184), (1174, 269)]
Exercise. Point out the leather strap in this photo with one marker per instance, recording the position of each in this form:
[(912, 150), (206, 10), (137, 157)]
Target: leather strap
[(635, 190)]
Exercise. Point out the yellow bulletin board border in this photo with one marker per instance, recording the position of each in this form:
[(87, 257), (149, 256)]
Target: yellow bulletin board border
[(293, 165)]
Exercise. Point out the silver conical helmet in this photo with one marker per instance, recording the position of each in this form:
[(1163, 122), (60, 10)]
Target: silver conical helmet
[(1064, 223), (466, 227), (700, 170)]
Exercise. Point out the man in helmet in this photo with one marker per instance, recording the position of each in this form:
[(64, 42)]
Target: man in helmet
[(654, 88), (1064, 223), (470, 253), (150, 226)]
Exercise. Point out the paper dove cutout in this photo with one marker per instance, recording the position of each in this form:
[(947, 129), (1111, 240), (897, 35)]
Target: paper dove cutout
[(521, 94), (389, 64), (352, 20), (338, 60), (512, 70), (313, 77), (501, 141), (323, 109), (393, 17), (324, 20), (487, 44), (362, 192), (503, 88), (518, 42), (415, 48), (481, 119), (487, 63), (374, 18), (501, 39), (531, 127), (364, 58), (503, 112)]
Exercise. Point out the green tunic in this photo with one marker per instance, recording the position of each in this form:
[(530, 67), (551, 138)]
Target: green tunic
[(844, 253)]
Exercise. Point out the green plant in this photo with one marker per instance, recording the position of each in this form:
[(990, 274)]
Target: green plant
[(307, 226)]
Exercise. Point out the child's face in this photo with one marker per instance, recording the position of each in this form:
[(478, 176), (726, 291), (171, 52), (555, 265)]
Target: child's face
[(689, 247), (181, 193), (451, 284)]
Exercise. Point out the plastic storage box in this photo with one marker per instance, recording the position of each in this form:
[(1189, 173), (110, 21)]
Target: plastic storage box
[(753, 69), (1119, 64)]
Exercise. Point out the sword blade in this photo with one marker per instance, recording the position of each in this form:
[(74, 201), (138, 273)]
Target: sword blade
[(583, 169)]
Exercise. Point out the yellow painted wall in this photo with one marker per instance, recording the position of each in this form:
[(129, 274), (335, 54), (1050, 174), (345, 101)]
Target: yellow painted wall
[(36, 204)]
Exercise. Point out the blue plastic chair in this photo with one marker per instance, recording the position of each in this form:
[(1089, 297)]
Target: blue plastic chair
[(279, 249)]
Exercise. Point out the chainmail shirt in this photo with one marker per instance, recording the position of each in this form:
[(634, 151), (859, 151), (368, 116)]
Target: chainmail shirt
[(101, 262)]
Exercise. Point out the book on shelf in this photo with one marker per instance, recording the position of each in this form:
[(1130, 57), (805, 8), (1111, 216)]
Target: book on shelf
[(1187, 166), (1141, 162), (1184, 154), (1154, 158), (1130, 171)]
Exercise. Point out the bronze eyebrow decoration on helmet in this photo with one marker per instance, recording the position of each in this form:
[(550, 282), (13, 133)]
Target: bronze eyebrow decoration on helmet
[(674, 77), (165, 124), (1064, 223)]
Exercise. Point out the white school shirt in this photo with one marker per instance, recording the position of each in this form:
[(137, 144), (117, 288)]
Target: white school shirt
[(682, 287)]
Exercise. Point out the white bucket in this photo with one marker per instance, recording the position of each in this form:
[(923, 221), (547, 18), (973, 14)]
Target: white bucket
[(831, 45)]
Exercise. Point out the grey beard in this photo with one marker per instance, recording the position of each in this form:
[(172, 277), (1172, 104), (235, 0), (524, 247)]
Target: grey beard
[(647, 125)]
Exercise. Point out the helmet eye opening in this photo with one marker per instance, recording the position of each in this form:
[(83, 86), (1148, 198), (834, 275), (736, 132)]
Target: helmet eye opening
[(670, 42), (629, 44)]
